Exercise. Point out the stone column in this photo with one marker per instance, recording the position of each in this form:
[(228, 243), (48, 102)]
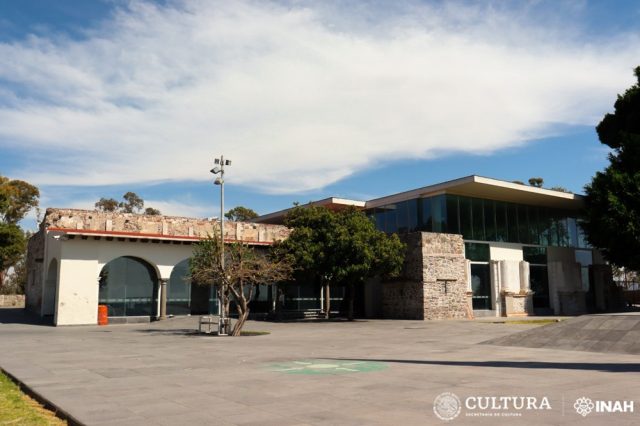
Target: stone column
[(496, 284), (163, 298)]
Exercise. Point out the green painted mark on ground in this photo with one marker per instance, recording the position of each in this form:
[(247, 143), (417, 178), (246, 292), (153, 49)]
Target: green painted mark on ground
[(327, 366)]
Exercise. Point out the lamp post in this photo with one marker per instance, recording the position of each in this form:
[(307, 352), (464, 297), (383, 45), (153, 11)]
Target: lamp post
[(219, 169)]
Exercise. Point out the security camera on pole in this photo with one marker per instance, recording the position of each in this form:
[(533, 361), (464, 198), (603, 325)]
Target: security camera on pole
[(223, 324)]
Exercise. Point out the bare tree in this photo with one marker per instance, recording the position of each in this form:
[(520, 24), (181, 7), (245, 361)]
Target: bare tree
[(244, 269)]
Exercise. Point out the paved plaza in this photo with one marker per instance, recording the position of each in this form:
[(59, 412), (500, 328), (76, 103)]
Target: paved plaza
[(374, 372)]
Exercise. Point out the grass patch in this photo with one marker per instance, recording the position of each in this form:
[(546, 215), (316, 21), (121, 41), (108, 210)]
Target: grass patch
[(253, 333), (19, 409)]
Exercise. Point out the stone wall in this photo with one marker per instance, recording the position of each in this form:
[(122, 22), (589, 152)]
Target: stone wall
[(35, 265), (74, 219), (444, 276), (11, 301), (403, 300), (434, 282)]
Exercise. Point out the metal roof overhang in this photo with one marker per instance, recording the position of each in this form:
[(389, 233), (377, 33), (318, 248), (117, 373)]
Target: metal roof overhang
[(332, 203), (491, 189)]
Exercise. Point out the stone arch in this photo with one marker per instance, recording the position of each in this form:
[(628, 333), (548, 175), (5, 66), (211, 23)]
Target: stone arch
[(128, 285), (50, 289), (144, 259)]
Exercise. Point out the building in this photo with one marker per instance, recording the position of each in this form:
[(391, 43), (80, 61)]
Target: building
[(485, 246), (131, 263), (476, 247)]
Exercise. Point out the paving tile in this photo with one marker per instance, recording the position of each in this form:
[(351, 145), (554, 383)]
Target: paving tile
[(131, 375)]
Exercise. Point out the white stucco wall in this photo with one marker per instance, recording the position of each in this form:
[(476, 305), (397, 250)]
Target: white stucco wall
[(82, 261), (505, 251), (49, 288)]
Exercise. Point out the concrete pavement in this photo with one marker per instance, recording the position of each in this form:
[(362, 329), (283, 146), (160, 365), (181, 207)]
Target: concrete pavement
[(163, 374)]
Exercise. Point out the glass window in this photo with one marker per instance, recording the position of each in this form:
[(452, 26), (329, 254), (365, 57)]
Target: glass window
[(524, 230), (412, 214), (572, 230), (490, 219), (476, 252), (501, 221), (535, 255), (584, 257), (563, 230), (179, 290), (582, 239), (466, 219), (379, 219), (426, 218), (480, 286), (128, 286), (453, 223), (512, 223), (478, 219), (391, 219), (539, 280), (439, 213), (544, 226), (402, 217)]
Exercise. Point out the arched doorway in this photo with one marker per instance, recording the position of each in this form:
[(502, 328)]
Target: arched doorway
[(50, 288), (129, 287), (185, 297)]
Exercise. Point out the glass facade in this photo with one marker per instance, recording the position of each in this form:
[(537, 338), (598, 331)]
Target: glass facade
[(179, 290), (538, 275), (187, 298), (129, 287), (478, 255), (482, 220)]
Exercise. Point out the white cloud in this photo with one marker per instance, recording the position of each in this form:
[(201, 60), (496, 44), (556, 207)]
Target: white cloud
[(298, 97)]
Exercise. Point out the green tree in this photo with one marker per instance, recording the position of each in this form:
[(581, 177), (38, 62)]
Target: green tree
[(107, 205), (12, 247), (16, 282), (244, 269), (536, 181), (132, 203), (17, 197), (340, 248), (241, 214), (151, 211), (612, 214)]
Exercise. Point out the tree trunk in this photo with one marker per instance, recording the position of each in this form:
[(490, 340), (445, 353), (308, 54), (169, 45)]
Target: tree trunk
[(327, 300), (243, 314), (226, 300), (352, 296)]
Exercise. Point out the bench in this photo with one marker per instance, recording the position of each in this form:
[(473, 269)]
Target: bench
[(208, 324)]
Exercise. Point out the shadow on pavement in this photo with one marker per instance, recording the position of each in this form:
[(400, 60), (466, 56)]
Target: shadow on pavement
[(606, 367), (173, 331), (22, 316)]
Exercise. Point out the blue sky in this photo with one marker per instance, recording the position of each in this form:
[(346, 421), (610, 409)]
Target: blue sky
[(309, 99)]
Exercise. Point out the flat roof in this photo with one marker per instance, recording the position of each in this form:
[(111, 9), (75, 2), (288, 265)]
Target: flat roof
[(491, 189), (469, 186)]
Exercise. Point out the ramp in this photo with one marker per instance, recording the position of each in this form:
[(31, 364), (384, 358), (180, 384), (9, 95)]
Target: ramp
[(619, 333)]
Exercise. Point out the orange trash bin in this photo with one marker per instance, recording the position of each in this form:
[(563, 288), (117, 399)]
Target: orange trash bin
[(103, 315)]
